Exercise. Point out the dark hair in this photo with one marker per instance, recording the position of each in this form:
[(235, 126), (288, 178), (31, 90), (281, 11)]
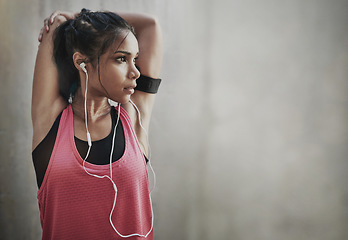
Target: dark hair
[(90, 33)]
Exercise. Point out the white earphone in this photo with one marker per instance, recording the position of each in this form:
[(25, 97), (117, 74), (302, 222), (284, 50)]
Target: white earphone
[(83, 67)]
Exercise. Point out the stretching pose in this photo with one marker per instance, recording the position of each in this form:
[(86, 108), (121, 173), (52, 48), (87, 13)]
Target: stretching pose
[(95, 79)]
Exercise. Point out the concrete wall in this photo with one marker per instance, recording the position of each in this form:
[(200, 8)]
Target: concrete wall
[(249, 134)]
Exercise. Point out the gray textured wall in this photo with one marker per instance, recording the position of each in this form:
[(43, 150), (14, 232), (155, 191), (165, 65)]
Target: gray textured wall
[(250, 130)]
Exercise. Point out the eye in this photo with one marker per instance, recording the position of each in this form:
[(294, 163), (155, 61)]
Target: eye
[(135, 59), (121, 59)]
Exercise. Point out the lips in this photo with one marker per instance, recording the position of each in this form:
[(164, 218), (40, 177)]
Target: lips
[(130, 89)]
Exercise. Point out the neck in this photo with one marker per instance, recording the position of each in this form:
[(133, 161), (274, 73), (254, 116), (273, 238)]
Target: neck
[(97, 108)]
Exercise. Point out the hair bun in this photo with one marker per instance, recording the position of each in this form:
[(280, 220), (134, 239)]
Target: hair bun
[(84, 11)]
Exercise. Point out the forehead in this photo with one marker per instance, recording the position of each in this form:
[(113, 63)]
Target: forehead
[(127, 42)]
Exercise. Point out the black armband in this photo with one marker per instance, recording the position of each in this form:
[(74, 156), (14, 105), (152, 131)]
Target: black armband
[(147, 84)]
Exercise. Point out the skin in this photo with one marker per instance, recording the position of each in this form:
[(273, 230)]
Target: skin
[(118, 76)]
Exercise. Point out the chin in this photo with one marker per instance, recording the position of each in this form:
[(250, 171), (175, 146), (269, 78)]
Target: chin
[(123, 100)]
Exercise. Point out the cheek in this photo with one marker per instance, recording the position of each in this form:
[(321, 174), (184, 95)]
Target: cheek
[(111, 76), (116, 70), (115, 79)]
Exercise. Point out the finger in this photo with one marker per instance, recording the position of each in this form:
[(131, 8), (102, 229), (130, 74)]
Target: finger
[(46, 27), (53, 15), (67, 15), (40, 35)]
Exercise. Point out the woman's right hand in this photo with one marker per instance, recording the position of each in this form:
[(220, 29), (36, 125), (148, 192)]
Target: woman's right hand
[(61, 17)]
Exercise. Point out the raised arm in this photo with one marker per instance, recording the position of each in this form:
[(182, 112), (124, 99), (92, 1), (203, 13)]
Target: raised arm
[(47, 103), (149, 37)]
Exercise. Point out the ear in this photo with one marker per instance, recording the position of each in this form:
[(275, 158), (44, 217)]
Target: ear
[(78, 58)]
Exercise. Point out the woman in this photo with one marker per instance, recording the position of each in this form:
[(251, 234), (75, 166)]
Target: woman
[(89, 157)]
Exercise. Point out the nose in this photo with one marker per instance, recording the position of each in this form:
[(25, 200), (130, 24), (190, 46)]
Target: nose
[(134, 72)]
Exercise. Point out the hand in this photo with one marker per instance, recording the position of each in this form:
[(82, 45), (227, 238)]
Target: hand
[(49, 21)]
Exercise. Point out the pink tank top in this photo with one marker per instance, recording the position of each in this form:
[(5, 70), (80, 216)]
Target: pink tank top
[(75, 205)]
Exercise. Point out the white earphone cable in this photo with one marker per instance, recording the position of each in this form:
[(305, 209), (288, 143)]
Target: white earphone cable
[(110, 162), (147, 138)]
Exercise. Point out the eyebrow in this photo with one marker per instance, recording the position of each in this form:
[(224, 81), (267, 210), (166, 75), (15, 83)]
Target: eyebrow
[(125, 52)]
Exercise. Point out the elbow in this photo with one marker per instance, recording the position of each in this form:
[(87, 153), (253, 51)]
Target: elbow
[(150, 21), (154, 21)]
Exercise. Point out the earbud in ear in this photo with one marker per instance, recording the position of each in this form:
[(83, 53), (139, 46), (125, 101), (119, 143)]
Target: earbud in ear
[(83, 66)]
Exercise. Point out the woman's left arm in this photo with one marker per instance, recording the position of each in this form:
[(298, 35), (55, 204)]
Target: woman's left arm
[(149, 38)]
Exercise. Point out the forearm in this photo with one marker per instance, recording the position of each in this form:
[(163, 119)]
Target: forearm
[(46, 98), (45, 79), (149, 35)]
